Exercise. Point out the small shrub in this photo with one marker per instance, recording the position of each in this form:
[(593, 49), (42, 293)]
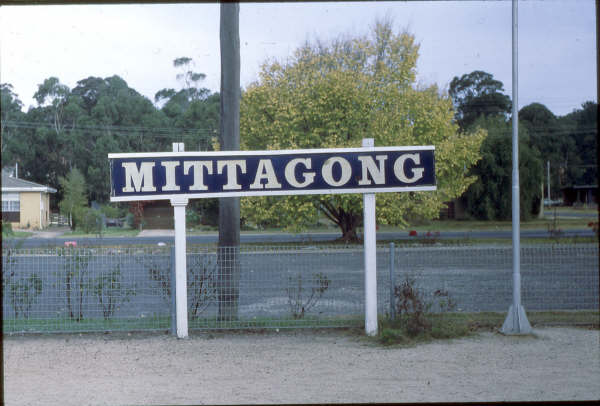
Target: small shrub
[(202, 284), (23, 293), (415, 322), (162, 276), (109, 290), (201, 278), (300, 305), (410, 302), (445, 302), (76, 270), (553, 228)]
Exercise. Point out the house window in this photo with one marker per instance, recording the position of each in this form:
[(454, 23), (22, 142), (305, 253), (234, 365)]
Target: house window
[(11, 207), (10, 202)]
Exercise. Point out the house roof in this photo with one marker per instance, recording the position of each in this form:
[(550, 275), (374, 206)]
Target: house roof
[(11, 184)]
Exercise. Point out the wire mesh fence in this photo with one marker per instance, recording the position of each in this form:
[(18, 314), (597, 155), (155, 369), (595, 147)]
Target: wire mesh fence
[(75, 289), (479, 278)]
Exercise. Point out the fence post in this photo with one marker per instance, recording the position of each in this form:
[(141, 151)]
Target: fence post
[(392, 282), (173, 290)]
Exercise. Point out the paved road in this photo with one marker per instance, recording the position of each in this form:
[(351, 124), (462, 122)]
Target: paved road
[(277, 238), (570, 214)]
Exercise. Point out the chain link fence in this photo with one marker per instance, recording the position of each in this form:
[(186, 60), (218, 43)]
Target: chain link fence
[(75, 289)]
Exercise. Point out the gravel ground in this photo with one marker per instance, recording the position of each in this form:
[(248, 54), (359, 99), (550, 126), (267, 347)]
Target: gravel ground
[(298, 367)]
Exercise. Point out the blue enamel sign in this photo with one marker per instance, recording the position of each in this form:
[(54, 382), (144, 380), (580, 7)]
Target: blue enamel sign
[(166, 175)]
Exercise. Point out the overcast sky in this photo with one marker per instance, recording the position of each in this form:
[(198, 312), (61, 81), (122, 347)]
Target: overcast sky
[(557, 42)]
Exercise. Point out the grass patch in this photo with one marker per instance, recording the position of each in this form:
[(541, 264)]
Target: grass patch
[(108, 232), (477, 225), (457, 325), (17, 234), (85, 325), (491, 241), (164, 323), (570, 210), (391, 333), (443, 327)]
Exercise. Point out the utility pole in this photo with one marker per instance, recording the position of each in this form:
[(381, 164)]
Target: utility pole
[(548, 179), (516, 321), (229, 207)]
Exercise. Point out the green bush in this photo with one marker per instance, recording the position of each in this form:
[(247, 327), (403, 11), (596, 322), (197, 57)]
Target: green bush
[(130, 220), (90, 221), (111, 211), (7, 228), (192, 218)]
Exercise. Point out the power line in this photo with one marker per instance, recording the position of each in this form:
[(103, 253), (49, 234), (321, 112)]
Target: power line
[(118, 130)]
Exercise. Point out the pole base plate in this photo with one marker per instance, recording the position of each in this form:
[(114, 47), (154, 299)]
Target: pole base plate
[(516, 322)]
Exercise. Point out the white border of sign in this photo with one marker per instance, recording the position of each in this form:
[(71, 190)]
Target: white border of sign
[(266, 152)]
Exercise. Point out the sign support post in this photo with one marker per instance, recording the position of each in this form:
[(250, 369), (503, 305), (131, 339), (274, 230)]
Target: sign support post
[(370, 252), (179, 205), (179, 284)]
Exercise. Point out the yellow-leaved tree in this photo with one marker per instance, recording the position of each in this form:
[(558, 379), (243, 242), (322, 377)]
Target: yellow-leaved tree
[(332, 95)]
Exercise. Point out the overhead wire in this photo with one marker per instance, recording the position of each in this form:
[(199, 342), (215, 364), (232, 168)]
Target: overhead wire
[(123, 130)]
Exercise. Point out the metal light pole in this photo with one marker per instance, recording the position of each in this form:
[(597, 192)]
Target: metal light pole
[(516, 321)]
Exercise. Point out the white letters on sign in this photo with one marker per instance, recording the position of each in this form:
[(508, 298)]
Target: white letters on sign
[(138, 180)]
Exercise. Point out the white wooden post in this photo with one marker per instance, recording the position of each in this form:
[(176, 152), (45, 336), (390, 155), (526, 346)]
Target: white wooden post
[(370, 256), (180, 285)]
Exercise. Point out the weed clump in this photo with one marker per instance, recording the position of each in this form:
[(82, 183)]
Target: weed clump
[(415, 321)]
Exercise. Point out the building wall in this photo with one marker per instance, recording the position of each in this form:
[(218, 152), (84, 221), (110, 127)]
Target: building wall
[(31, 214), (45, 209)]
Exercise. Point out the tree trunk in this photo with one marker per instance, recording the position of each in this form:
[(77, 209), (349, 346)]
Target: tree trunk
[(229, 208), (348, 224), (346, 221)]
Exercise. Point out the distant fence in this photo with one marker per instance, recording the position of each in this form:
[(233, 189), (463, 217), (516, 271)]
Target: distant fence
[(110, 289), (58, 219)]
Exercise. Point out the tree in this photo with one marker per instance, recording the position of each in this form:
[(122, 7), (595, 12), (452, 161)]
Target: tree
[(581, 126), (178, 102), (551, 138), (53, 94), (334, 95), (112, 117), (490, 197), (478, 94), (10, 113), (74, 200)]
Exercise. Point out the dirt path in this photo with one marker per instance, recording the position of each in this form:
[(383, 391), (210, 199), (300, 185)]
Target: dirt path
[(298, 367)]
